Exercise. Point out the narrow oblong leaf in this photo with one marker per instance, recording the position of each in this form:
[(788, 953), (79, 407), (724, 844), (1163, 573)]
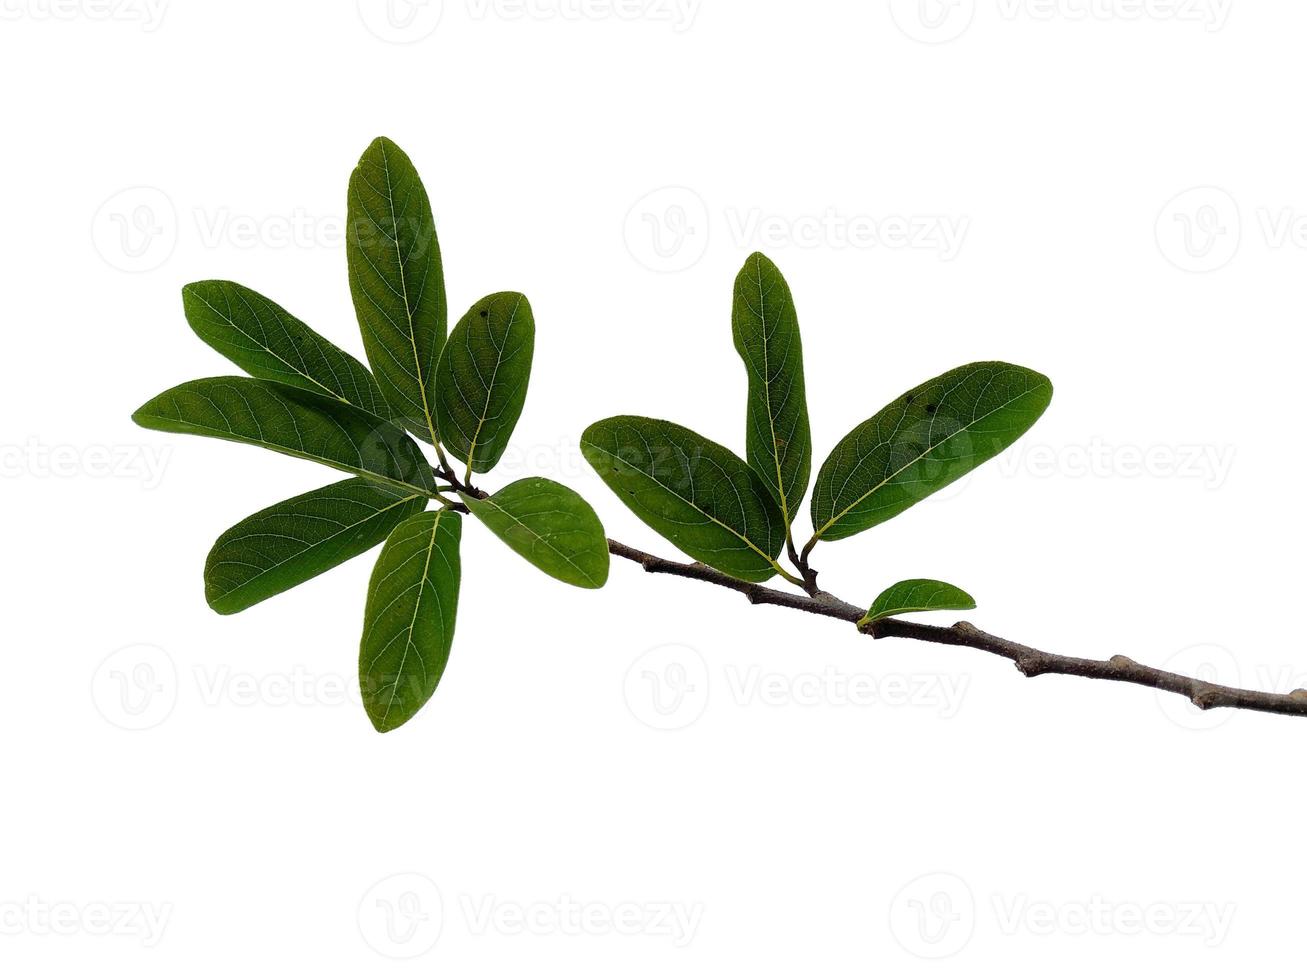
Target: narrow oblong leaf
[(408, 625), (291, 542), (765, 327), (397, 281), (259, 336), (549, 525), (291, 421), (697, 494), (917, 595), (482, 378), (923, 441)]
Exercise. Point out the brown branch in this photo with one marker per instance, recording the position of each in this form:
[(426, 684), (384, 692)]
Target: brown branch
[(1028, 660)]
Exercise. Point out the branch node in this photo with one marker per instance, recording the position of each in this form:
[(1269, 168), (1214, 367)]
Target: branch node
[(1031, 664), (1204, 696)]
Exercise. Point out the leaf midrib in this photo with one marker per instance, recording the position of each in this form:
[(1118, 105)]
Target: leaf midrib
[(227, 436), (490, 387), (345, 529), (766, 385), (916, 459), (264, 347), (490, 502), (771, 562), (412, 623), (408, 310)]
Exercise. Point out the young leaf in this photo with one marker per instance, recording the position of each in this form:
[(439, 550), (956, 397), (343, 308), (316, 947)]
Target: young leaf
[(258, 335), (698, 495), (291, 421), (408, 626), (482, 378), (923, 441), (550, 526), (397, 281), (766, 331), (917, 595), (289, 543)]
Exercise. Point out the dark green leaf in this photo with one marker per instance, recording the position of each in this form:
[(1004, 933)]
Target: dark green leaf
[(482, 377), (698, 495), (289, 543), (397, 281), (408, 626), (923, 441), (766, 330), (550, 526), (258, 335), (291, 421), (917, 595)]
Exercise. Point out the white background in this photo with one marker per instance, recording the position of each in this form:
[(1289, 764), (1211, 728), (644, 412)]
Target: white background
[(773, 811)]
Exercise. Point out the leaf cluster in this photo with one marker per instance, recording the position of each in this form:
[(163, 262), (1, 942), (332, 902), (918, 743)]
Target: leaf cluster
[(462, 391)]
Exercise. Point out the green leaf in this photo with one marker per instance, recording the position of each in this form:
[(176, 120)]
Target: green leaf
[(291, 421), (258, 335), (698, 495), (408, 626), (397, 281), (766, 331), (289, 543), (550, 526), (482, 378), (917, 595), (922, 442)]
